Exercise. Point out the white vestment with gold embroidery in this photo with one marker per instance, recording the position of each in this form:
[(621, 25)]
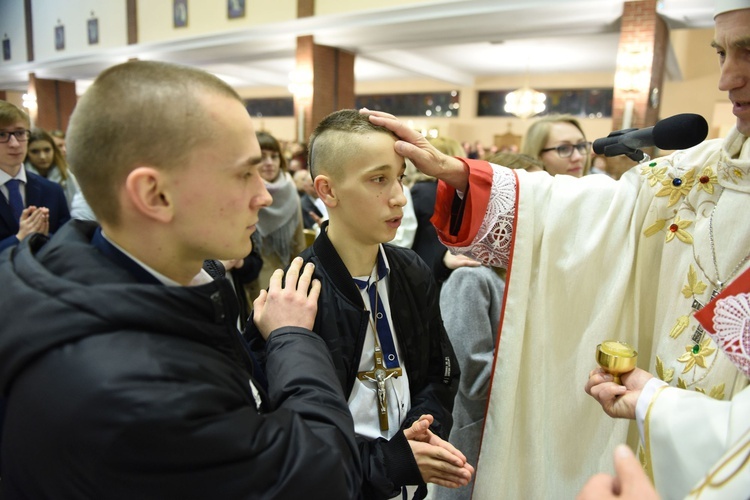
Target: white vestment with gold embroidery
[(593, 259)]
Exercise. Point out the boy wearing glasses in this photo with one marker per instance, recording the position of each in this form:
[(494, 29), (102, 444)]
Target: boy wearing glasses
[(30, 203)]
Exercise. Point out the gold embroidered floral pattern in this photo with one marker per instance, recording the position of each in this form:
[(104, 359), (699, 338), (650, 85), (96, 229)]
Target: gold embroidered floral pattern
[(729, 172), (679, 326), (696, 355), (695, 287), (642, 456), (716, 392), (706, 180), (655, 227), (676, 187), (677, 229), (666, 375), (653, 175), (681, 384)]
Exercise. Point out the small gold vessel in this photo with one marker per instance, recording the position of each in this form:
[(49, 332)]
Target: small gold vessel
[(616, 358)]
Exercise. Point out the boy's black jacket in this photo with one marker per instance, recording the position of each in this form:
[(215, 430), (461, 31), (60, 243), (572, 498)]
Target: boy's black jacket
[(430, 362)]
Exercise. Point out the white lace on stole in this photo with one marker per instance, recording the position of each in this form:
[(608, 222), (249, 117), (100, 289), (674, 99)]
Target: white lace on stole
[(732, 327), (491, 246)]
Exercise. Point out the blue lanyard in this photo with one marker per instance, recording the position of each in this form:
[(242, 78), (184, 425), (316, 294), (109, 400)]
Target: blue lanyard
[(379, 316)]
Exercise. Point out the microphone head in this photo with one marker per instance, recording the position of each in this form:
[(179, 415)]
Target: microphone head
[(680, 131)]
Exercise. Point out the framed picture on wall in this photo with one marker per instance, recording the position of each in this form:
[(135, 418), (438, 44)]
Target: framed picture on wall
[(180, 13), (235, 9), (6, 49), (60, 37), (93, 31)]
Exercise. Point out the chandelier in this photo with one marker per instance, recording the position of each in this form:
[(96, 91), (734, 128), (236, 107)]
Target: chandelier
[(525, 102)]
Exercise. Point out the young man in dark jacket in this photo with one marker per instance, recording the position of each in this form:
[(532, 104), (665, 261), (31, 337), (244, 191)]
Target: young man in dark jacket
[(378, 313), (124, 372)]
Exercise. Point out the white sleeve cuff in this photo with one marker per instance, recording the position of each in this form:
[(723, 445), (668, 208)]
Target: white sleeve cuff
[(644, 401)]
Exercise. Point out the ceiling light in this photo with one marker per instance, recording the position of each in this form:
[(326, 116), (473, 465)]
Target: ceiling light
[(525, 102)]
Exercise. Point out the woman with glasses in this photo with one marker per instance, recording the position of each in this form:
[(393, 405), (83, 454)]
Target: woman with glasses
[(559, 143), (44, 158)]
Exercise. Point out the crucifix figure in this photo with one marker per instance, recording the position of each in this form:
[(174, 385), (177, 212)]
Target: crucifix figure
[(379, 374)]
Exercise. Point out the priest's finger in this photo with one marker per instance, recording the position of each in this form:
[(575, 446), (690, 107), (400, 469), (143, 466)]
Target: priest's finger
[(633, 482), (597, 379), (598, 487), (607, 391), (371, 112)]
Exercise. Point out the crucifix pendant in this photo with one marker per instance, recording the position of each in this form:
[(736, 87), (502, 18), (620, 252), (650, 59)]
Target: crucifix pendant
[(379, 374), (697, 305)]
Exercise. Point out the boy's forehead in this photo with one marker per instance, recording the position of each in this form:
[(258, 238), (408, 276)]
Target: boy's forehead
[(373, 140), (372, 157)]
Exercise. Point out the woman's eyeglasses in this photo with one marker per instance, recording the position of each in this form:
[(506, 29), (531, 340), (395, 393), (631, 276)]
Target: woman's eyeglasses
[(566, 150)]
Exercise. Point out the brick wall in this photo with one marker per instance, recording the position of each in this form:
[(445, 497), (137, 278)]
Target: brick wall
[(643, 37)]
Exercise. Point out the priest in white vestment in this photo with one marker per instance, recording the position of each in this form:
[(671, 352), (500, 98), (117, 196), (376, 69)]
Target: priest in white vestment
[(593, 259)]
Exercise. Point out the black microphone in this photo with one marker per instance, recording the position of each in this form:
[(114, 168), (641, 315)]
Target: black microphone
[(676, 132)]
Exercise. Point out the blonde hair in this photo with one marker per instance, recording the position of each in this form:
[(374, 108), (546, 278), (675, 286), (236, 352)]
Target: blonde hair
[(538, 134), (10, 114), (448, 145), (137, 113), (515, 160)]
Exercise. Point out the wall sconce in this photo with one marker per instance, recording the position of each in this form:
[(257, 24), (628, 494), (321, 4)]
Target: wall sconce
[(634, 70), (301, 84), (633, 75), (29, 102)]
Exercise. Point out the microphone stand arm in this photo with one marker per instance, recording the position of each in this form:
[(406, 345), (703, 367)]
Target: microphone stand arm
[(621, 149)]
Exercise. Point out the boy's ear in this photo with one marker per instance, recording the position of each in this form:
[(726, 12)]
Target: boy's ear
[(326, 192), (144, 188)]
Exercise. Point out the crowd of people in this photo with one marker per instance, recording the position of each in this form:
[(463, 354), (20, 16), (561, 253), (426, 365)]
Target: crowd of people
[(171, 329)]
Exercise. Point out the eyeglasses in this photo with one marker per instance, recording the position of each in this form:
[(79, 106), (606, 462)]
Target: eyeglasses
[(566, 150), (20, 135)]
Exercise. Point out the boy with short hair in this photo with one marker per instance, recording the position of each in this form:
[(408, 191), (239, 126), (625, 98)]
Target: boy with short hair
[(379, 313), (124, 372)]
